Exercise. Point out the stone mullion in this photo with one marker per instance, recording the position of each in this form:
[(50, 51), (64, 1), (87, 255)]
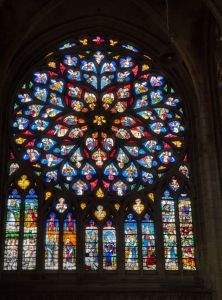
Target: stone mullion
[(178, 235), (80, 254), (60, 246), (159, 235), (100, 247), (120, 244), (40, 242), (21, 230), (139, 241)]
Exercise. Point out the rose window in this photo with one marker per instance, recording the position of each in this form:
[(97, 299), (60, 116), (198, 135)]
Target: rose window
[(99, 118)]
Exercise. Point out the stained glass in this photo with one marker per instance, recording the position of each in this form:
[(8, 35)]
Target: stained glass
[(13, 167), (23, 182), (12, 231), (186, 232), (184, 170), (138, 207), (109, 247), (148, 243), (52, 242), (76, 127), (98, 120), (91, 247), (30, 231), (174, 184), (169, 231), (131, 243), (69, 243), (61, 205), (100, 213)]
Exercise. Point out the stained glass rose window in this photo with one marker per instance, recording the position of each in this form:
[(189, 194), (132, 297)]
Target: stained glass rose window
[(98, 117)]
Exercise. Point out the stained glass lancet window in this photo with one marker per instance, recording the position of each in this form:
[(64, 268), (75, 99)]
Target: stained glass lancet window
[(69, 243), (131, 243), (30, 231), (91, 246), (169, 231), (109, 247), (186, 232), (12, 231), (148, 243), (100, 127), (52, 242)]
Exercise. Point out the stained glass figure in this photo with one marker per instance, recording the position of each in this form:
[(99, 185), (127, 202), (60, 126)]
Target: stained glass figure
[(30, 231), (186, 232), (184, 170), (61, 205), (109, 247), (148, 243), (13, 167), (91, 247), (12, 231), (52, 242), (174, 184), (131, 243), (169, 231), (69, 243)]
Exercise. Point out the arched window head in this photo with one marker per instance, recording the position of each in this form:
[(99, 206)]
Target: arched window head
[(100, 133)]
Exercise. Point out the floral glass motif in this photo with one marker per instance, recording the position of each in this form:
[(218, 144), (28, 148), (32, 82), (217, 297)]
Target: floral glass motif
[(100, 213), (98, 122), (91, 247), (148, 243), (109, 247), (69, 243), (83, 205), (23, 182), (131, 243), (138, 207), (52, 243), (117, 206)]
